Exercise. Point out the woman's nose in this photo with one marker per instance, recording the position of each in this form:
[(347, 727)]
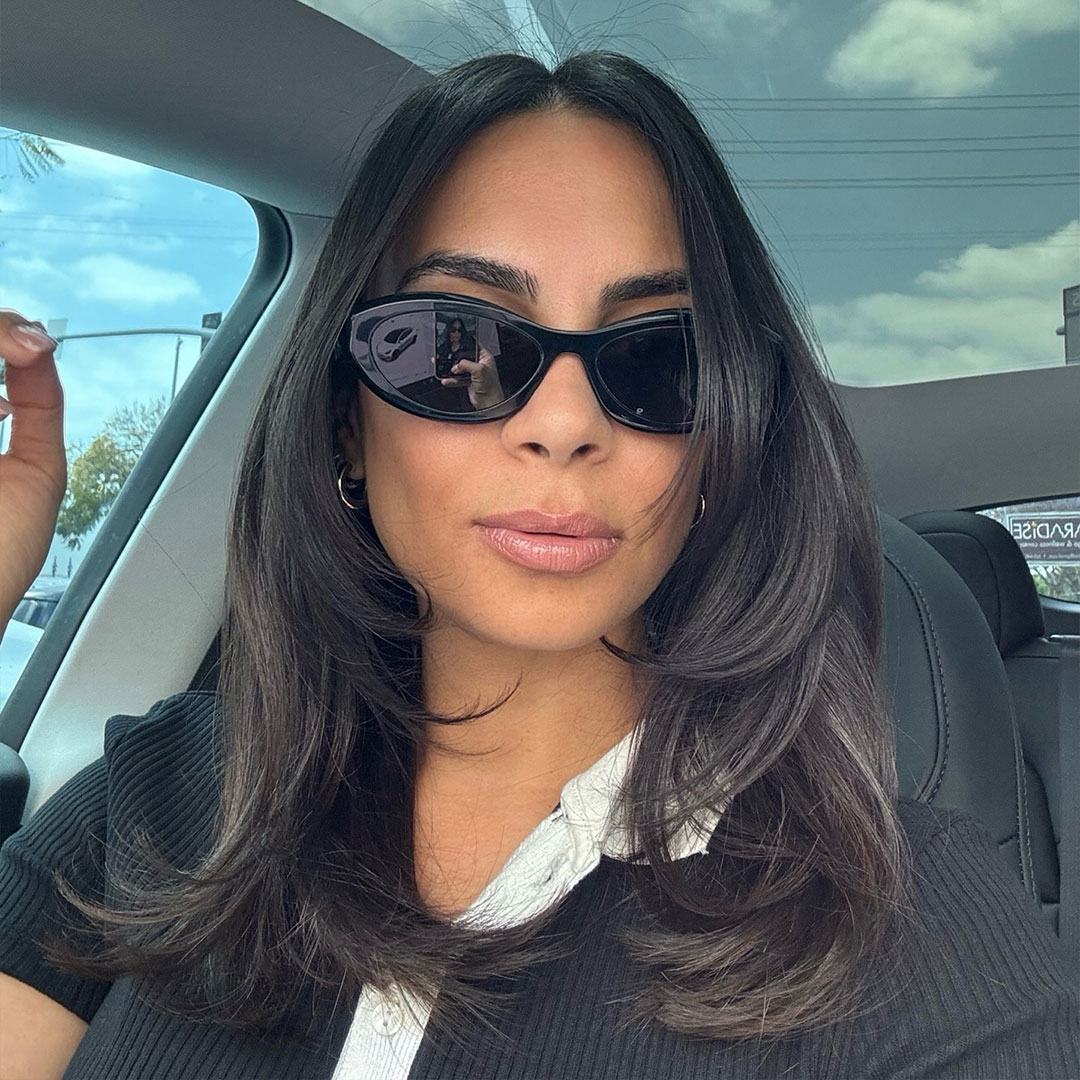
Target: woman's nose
[(563, 414)]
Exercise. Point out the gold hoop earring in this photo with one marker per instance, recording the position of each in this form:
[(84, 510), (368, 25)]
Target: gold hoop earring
[(701, 512), (341, 488)]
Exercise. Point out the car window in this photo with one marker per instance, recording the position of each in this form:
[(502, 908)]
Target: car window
[(132, 269), (912, 165), (1048, 532)]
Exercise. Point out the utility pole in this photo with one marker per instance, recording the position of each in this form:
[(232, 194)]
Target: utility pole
[(175, 368)]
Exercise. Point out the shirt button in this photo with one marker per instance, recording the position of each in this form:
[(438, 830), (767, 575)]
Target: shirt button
[(388, 1019)]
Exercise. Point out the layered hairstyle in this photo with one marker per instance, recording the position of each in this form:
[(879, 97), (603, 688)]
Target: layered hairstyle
[(763, 676)]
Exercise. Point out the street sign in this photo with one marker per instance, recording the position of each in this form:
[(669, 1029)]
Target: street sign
[(57, 328), (210, 321), (1049, 537), (1070, 300)]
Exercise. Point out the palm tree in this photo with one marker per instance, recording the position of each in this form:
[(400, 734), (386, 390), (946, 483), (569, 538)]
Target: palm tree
[(33, 153)]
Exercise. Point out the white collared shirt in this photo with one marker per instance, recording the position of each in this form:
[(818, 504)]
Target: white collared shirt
[(565, 847)]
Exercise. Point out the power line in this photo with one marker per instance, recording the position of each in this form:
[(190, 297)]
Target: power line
[(121, 237), (922, 97), (903, 139), (912, 150), (905, 234), (118, 220), (898, 138), (862, 185), (888, 246), (839, 105), (1065, 176)]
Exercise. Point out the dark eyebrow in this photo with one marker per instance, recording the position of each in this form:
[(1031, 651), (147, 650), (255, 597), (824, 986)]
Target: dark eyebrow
[(500, 275)]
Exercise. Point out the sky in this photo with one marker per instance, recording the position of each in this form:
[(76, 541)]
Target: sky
[(110, 244), (912, 165)]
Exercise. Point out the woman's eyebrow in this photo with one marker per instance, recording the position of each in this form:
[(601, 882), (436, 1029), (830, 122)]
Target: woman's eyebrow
[(500, 275)]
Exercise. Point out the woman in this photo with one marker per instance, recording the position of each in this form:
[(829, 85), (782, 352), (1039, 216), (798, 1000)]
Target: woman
[(456, 343), (550, 739)]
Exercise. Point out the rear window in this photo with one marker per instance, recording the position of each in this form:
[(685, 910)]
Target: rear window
[(1048, 532), (912, 165)]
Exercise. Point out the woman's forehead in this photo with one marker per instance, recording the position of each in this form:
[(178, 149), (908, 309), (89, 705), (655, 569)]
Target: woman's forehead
[(574, 200)]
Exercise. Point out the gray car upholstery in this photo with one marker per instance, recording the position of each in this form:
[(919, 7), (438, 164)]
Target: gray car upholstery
[(985, 554)]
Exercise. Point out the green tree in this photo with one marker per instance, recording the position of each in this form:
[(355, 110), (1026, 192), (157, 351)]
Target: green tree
[(97, 472), (1060, 580)]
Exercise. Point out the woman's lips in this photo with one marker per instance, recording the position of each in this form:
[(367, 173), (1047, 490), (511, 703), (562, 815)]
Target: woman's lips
[(548, 551)]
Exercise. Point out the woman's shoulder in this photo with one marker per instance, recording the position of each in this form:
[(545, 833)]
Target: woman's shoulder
[(163, 767), (180, 723), (929, 827), (979, 980), (962, 883)]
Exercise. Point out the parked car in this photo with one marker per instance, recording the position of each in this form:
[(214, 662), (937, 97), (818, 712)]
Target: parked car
[(37, 606)]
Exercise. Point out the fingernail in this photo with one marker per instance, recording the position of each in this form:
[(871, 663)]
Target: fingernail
[(32, 338)]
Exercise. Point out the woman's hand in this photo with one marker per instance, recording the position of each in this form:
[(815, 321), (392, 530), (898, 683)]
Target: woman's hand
[(33, 470), (485, 389)]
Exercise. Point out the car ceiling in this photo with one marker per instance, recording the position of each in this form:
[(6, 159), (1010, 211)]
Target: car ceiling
[(275, 100), (266, 97)]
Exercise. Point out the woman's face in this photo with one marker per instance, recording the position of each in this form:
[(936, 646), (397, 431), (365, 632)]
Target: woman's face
[(575, 203)]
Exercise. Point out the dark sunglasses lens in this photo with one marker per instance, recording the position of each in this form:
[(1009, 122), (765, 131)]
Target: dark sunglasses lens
[(450, 361), (653, 373)]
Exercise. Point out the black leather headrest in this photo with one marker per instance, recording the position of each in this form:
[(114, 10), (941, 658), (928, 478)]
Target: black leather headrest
[(983, 552), (957, 744)]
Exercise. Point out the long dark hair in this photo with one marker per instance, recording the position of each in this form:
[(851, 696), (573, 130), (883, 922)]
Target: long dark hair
[(764, 664)]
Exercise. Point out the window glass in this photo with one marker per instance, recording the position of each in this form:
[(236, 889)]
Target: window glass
[(131, 268), (1048, 532), (912, 165)]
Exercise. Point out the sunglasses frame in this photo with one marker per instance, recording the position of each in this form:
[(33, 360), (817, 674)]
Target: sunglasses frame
[(585, 344)]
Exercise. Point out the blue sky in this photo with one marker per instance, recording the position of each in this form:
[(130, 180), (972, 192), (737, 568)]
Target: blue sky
[(110, 244)]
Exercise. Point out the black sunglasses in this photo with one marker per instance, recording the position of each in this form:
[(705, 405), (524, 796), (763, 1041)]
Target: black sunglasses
[(449, 357)]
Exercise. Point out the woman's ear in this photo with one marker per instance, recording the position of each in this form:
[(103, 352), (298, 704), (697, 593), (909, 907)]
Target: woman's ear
[(347, 428)]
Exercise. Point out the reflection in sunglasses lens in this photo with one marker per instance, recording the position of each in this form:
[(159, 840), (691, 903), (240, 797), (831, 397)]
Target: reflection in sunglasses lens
[(652, 372)]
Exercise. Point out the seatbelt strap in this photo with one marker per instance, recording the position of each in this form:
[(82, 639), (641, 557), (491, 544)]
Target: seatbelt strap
[(1069, 849)]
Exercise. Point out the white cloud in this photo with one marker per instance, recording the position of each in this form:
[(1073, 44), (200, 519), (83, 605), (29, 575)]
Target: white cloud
[(50, 235), (396, 22), (116, 279), (942, 47), (716, 19), (14, 199), (31, 266), (1023, 270), (27, 304), (420, 27), (987, 309)]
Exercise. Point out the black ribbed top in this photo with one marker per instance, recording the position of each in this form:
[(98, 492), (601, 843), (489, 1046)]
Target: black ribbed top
[(980, 996)]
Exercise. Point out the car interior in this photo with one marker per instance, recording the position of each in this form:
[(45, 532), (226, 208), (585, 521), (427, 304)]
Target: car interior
[(275, 100)]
